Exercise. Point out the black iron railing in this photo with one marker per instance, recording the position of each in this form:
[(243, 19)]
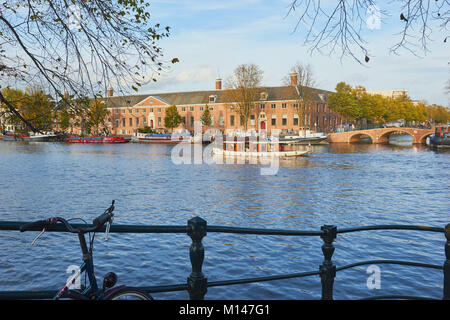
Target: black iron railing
[(197, 284)]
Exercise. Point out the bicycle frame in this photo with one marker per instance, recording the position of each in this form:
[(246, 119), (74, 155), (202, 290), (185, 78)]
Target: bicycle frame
[(88, 267)]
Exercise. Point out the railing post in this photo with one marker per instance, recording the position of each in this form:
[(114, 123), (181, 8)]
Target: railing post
[(196, 229), (327, 269), (447, 264)]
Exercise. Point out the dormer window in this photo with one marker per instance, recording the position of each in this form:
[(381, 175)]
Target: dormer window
[(263, 96), (212, 98)]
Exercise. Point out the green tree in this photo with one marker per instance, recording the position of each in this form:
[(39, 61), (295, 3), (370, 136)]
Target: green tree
[(172, 118), (206, 117), (96, 115), (18, 98), (32, 105), (345, 102)]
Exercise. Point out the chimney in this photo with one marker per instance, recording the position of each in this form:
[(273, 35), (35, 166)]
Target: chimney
[(218, 84), (294, 78), (110, 92)]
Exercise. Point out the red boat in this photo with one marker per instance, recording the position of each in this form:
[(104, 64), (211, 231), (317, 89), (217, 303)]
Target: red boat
[(93, 139)]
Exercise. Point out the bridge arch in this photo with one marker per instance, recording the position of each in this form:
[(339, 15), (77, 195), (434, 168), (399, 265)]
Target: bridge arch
[(357, 135), (384, 137), (423, 138)]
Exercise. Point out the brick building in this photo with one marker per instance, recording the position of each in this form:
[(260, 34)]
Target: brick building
[(277, 109)]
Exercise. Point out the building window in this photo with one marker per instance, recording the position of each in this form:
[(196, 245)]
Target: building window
[(123, 122), (295, 120), (151, 109), (159, 121), (212, 120), (263, 106), (212, 99), (295, 105), (192, 109), (130, 111), (201, 108), (221, 122), (192, 121), (123, 110), (159, 109), (183, 109), (252, 119), (274, 120), (130, 121), (183, 121), (137, 122), (116, 123), (144, 120), (284, 105), (273, 106), (284, 120), (231, 120), (210, 108), (116, 111)]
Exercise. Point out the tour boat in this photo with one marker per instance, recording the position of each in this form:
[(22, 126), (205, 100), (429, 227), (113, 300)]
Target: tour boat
[(96, 139), (165, 137), (160, 137), (31, 136), (257, 149), (308, 137), (441, 137)]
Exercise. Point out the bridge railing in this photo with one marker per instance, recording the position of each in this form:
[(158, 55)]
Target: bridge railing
[(197, 282)]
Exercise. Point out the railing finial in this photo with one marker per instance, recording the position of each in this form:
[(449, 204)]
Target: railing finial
[(196, 229), (328, 269), (447, 264)]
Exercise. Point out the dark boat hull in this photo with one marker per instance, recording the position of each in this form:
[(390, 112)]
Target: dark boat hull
[(96, 140), (440, 142)]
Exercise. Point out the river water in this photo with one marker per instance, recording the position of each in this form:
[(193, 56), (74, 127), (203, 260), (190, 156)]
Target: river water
[(342, 184)]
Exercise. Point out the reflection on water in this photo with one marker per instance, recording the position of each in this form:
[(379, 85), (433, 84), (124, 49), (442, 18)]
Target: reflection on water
[(341, 184)]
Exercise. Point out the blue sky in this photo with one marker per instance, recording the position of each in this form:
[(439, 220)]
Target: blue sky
[(213, 37)]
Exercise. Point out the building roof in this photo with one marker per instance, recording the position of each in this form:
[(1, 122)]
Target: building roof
[(202, 97)]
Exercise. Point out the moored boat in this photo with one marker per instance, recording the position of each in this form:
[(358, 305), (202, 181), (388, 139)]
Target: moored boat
[(31, 136), (441, 137), (263, 148), (308, 137), (160, 137), (96, 139)]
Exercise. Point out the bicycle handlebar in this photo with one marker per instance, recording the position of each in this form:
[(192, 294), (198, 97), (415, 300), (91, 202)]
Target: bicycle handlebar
[(97, 222)]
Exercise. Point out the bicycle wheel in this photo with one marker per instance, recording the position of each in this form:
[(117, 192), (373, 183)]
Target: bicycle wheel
[(128, 293)]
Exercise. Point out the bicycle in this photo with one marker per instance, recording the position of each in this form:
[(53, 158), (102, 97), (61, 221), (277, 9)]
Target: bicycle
[(92, 291)]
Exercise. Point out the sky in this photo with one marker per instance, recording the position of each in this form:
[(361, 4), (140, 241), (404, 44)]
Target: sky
[(211, 38)]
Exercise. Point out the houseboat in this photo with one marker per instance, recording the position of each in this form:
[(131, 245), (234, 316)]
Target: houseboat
[(161, 137), (263, 148), (31, 136), (307, 138), (441, 137), (96, 139)]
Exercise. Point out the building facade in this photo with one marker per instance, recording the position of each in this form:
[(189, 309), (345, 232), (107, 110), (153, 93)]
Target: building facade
[(277, 109)]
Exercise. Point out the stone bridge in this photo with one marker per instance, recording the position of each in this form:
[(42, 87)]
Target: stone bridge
[(380, 135)]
